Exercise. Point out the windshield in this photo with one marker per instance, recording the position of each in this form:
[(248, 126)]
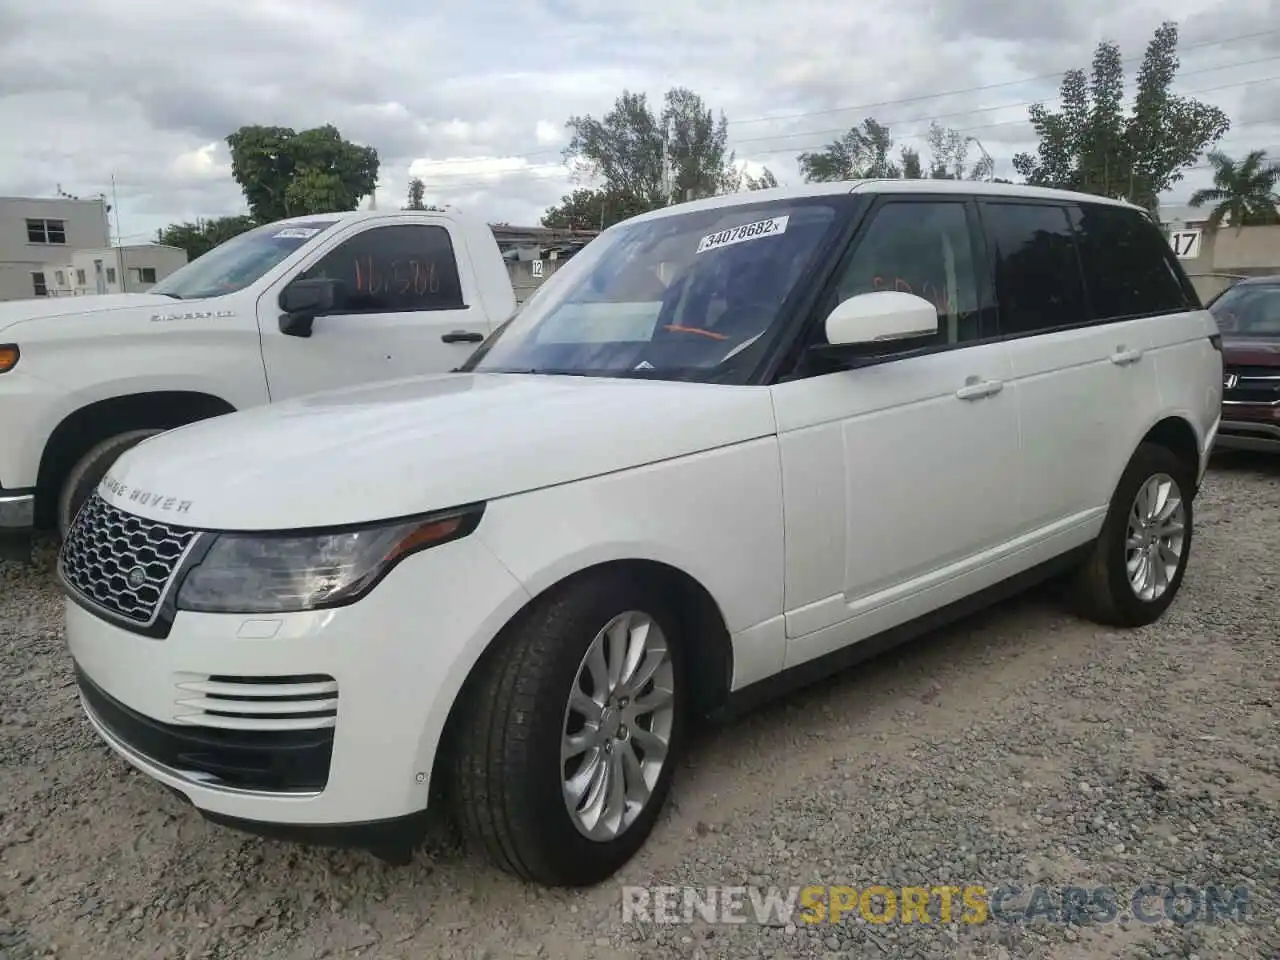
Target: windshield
[(238, 262), (692, 296), (1249, 310)]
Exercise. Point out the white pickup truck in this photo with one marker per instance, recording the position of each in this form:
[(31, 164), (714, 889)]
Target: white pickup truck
[(294, 307)]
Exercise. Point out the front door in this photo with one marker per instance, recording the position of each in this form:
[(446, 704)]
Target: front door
[(898, 476), (407, 309)]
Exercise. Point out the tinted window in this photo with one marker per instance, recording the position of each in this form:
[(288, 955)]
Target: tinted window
[(394, 270), (1249, 310), (1128, 266), (925, 249), (1037, 272)]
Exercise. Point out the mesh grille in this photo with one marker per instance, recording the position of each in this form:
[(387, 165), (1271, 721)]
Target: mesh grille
[(121, 562)]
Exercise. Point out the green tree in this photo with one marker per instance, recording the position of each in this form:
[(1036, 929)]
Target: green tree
[(203, 235), (1243, 192), (766, 180), (1091, 145), (912, 168), (625, 148), (862, 152), (286, 173), (417, 195), (587, 209)]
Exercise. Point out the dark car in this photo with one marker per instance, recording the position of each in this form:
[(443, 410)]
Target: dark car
[(1248, 315)]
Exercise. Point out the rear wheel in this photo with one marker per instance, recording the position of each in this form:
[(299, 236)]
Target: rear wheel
[(563, 755), (1139, 559), (89, 471)]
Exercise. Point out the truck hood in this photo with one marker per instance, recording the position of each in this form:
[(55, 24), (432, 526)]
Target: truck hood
[(1251, 351), (411, 446), (24, 312)]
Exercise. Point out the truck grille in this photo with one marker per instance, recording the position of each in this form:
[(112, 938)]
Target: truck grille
[(120, 562)]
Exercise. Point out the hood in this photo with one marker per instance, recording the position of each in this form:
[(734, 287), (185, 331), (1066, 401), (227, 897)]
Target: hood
[(41, 308), (1251, 351), (412, 446)]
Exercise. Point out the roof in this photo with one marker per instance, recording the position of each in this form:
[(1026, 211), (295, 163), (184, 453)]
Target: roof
[(806, 190)]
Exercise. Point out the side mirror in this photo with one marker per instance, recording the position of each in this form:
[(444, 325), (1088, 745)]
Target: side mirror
[(304, 300), (871, 324)]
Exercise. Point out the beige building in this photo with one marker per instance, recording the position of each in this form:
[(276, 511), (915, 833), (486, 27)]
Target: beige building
[(1215, 259), (133, 268), (37, 232)]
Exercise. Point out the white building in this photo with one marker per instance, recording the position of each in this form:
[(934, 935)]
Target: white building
[(131, 268), (37, 232)]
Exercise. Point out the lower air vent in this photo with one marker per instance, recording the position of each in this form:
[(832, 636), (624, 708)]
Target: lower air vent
[(305, 702)]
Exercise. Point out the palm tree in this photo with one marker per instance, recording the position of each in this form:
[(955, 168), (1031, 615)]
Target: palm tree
[(1243, 192)]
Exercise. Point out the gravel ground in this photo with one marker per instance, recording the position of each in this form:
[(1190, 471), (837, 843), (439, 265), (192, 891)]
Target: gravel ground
[(1021, 747)]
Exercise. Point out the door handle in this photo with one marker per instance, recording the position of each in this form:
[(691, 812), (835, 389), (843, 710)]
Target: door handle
[(975, 388), (1123, 357), (462, 336)]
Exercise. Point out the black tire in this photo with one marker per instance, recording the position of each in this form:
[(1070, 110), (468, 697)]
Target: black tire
[(505, 787), (89, 470), (1101, 590)]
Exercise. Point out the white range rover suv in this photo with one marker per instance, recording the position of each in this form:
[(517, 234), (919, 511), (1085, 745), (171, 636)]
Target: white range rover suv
[(734, 444)]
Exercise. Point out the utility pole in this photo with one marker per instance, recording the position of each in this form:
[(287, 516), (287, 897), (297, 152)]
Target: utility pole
[(668, 178), (115, 208)]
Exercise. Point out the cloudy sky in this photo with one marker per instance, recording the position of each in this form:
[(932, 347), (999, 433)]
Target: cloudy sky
[(473, 96)]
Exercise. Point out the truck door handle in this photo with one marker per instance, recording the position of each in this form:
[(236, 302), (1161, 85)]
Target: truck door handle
[(1123, 357), (975, 388), (462, 336)]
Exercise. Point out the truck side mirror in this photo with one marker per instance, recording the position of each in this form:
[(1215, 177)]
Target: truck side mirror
[(304, 300)]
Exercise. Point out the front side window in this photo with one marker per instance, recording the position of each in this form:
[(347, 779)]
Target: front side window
[(240, 261), (1249, 310), (1038, 285), (694, 296), (395, 269), (922, 248), (1128, 265)]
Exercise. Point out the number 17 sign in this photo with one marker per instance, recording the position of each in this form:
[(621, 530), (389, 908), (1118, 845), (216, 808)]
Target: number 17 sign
[(1185, 243)]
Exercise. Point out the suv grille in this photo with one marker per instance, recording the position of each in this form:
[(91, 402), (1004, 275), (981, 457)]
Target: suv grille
[(120, 562), (1251, 384)]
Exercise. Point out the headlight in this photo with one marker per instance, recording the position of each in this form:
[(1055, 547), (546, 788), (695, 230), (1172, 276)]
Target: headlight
[(292, 571)]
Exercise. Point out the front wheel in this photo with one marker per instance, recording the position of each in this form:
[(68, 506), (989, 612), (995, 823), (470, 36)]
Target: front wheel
[(1139, 559), (564, 752), (89, 471)]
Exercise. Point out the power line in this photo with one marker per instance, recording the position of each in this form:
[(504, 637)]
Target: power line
[(800, 148), (443, 183), (960, 92)]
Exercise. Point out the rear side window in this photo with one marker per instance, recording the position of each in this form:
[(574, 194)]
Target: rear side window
[(1128, 267), (1037, 271)]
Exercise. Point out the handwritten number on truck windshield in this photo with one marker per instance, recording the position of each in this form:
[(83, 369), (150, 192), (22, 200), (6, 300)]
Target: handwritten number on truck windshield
[(410, 277)]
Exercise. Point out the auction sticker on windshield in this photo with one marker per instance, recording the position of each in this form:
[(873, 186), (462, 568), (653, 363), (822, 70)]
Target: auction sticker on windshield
[(748, 231), (295, 233)]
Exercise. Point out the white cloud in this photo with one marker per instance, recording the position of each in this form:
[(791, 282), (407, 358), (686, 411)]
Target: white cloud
[(473, 96)]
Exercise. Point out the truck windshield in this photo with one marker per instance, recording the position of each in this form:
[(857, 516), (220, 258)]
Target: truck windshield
[(689, 296), (238, 262), (1249, 310)]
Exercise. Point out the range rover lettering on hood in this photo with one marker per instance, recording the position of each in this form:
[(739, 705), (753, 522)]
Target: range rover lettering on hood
[(192, 315), (145, 498)]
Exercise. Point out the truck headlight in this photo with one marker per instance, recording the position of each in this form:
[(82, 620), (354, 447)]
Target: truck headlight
[(305, 570)]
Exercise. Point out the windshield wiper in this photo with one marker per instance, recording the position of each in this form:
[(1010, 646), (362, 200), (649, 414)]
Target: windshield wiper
[(174, 295)]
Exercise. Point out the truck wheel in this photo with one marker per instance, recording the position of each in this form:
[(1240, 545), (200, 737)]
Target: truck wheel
[(569, 733), (89, 471), (1139, 559)]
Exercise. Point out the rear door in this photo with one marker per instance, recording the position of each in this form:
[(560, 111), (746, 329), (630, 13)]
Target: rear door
[(411, 306), (1079, 383)]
